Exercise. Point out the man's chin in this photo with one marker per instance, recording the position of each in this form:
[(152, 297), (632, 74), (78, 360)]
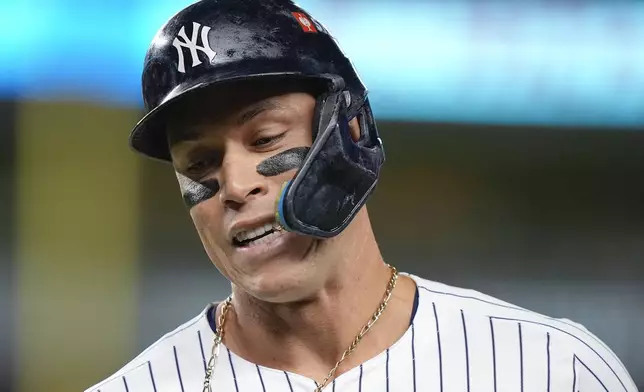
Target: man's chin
[(286, 278), (282, 289)]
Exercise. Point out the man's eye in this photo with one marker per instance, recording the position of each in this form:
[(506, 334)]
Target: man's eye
[(262, 141), (198, 166)]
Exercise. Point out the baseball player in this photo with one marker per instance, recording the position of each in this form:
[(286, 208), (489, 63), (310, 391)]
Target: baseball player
[(269, 130)]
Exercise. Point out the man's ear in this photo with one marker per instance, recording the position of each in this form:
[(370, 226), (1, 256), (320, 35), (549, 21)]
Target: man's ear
[(355, 129)]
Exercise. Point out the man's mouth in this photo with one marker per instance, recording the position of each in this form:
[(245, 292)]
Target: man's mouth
[(258, 235)]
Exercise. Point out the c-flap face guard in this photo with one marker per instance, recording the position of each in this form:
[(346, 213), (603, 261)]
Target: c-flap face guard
[(338, 174)]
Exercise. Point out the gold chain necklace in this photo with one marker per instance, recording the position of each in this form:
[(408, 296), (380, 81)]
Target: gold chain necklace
[(219, 335)]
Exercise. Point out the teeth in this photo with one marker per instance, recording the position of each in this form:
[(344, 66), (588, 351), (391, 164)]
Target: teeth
[(257, 232), (264, 239), (248, 234)]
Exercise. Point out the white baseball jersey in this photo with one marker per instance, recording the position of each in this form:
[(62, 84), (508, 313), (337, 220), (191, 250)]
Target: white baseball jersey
[(458, 341)]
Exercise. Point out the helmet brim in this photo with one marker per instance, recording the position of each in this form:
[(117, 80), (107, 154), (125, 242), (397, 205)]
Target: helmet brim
[(149, 138)]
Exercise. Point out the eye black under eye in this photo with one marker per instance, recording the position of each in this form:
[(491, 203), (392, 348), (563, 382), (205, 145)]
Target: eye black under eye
[(211, 184)]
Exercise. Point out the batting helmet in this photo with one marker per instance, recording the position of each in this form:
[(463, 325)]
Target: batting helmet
[(213, 43)]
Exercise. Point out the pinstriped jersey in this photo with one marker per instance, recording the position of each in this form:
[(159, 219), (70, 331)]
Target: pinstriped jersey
[(458, 340)]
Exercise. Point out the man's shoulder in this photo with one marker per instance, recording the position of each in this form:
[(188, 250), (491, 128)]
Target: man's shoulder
[(184, 334), (461, 313), (460, 296), (469, 304)]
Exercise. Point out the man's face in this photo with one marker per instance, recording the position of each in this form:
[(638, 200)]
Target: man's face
[(231, 168)]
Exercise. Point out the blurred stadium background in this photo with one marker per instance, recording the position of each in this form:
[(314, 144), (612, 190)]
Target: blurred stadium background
[(515, 140)]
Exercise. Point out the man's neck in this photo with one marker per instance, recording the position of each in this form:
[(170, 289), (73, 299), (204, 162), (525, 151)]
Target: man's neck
[(308, 337)]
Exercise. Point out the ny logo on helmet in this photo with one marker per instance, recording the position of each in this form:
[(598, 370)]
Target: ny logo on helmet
[(182, 41)]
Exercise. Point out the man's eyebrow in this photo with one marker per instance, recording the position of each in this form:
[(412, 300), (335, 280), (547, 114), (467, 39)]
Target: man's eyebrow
[(185, 134), (194, 133), (256, 110)]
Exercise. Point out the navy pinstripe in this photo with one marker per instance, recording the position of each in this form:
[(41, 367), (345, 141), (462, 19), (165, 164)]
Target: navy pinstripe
[(334, 385), (493, 352), (413, 358), (259, 373), (548, 353), (154, 384), (387, 370), (521, 354), (440, 350), (176, 361), (467, 351), (232, 368), (203, 355), (574, 374), (125, 383), (289, 381), (576, 358), (359, 381)]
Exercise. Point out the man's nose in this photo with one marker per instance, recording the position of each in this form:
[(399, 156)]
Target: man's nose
[(239, 179)]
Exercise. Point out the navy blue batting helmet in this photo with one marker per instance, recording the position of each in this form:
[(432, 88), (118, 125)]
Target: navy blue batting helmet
[(215, 43)]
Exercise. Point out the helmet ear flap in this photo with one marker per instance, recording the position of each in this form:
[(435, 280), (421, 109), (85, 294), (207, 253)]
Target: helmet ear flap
[(337, 176)]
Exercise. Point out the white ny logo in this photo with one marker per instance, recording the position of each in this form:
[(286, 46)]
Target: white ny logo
[(192, 45)]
